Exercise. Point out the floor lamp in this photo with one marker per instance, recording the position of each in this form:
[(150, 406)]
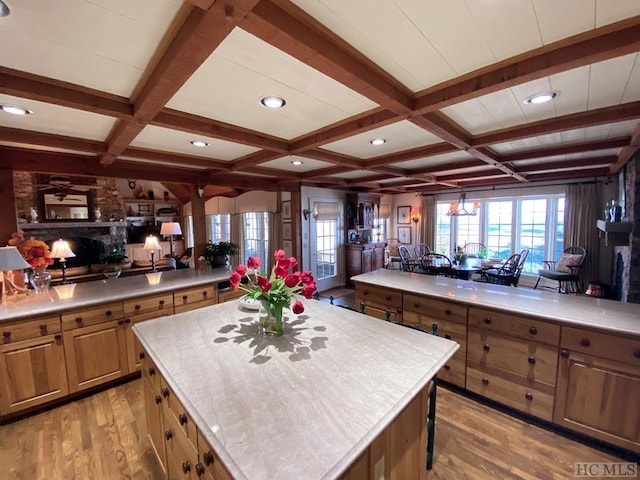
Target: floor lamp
[(152, 246), (169, 229)]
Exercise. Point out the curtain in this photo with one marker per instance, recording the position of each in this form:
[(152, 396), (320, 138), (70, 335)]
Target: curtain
[(582, 207), (429, 220), (236, 228)]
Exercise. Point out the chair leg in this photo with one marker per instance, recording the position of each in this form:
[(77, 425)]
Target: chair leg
[(536, 285)]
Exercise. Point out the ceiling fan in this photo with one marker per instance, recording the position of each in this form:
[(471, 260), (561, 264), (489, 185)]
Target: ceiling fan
[(62, 187)]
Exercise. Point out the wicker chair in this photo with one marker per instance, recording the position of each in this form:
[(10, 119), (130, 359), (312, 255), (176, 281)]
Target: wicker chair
[(566, 269), (472, 249), (436, 264), (421, 249), (508, 274), (391, 252)]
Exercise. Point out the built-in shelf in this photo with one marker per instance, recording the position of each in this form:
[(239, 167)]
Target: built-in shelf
[(39, 226), (616, 233)]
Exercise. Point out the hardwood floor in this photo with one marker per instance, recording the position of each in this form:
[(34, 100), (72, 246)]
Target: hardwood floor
[(103, 437)]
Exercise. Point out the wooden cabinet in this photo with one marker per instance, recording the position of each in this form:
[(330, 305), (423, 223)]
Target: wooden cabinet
[(513, 359), (151, 211), (153, 399), (32, 364), (197, 297), (363, 258), (599, 386), (95, 345), (452, 324), (378, 300), (213, 467), (364, 253)]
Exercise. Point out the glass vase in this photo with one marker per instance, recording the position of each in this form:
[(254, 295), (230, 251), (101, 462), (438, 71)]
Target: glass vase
[(40, 280), (270, 321)]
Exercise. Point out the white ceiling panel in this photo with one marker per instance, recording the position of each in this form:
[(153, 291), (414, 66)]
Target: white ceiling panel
[(229, 85), (101, 44), (434, 160), (609, 80), (48, 118), (159, 138), (399, 136), (285, 163), (558, 20), (608, 11), (632, 90)]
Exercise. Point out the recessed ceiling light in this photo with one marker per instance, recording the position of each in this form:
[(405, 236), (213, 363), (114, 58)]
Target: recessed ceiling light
[(297, 162), (273, 102), (199, 143), (15, 109), (378, 141), (542, 97)]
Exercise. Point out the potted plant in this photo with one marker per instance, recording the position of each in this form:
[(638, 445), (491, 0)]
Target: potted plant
[(217, 254), (115, 257)]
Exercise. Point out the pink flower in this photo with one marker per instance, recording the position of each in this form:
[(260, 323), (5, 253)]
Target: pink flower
[(280, 272), (292, 280), (241, 269), (308, 290), (297, 307), (306, 277), (264, 284), (293, 263), (234, 279), (279, 255), (253, 263)]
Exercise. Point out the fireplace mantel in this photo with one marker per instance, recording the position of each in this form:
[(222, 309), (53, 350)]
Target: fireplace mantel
[(45, 225)]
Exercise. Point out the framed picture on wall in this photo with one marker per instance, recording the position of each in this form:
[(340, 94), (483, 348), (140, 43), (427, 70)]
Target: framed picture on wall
[(404, 214), (286, 231), (286, 210), (404, 234)]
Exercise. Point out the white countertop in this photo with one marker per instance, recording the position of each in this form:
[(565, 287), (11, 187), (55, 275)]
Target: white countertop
[(301, 406), (578, 310), (64, 297)]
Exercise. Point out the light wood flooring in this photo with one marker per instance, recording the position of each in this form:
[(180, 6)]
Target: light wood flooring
[(103, 437)]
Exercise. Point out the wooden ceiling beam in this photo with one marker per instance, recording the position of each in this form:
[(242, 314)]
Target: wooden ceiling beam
[(566, 149), (335, 158), (567, 164), (412, 154), (253, 159), (290, 29), (243, 182), (451, 166), (325, 172), (627, 152), (27, 137), (188, 161), (613, 40), (445, 128), (571, 175), (200, 34)]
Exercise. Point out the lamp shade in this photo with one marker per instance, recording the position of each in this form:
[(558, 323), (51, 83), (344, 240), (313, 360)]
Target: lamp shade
[(170, 228), (10, 259), (151, 244), (61, 249)]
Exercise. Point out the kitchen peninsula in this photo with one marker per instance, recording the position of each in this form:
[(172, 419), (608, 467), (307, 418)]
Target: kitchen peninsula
[(339, 395), (567, 359)]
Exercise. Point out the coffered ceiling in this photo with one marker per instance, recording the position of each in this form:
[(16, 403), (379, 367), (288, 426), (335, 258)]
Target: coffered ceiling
[(121, 88)]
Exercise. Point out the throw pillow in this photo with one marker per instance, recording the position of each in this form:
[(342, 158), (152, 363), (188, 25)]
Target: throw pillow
[(568, 260)]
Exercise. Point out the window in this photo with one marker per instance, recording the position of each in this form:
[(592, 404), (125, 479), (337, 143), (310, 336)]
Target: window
[(326, 241), (256, 236), (506, 226), (218, 228)]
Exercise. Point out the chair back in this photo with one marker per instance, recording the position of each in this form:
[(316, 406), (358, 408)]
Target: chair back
[(511, 264), (472, 249), (571, 260), (392, 246), (421, 249), (523, 257), (436, 264), (405, 257)]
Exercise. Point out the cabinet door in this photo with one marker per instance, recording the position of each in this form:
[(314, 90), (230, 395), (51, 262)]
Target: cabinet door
[(135, 352), (32, 372), (153, 401), (96, 354), (366, 261), (599, 398)]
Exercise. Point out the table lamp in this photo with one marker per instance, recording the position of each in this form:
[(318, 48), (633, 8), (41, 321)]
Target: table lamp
[(61, 250), (169, 229), (152, 246), (10, 260)]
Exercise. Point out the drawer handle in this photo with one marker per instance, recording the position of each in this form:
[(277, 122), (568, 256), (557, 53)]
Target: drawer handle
[(447, 367), (161, 302), (43, 328), (387, 298), (447, 312), (487, 321), (636, 353), (204, 293), (58, 337), (585, 342), (531, 360), (78, 319), (416, 304), (447, 336), (127, 320), (186, 467), (120, 322), (137, 307), (199, 469), (165, 392), (182, 418), (108, 313), (485, 381), (365, 292), (168, 434), (486, 347), (158, 399), (208, 458), (533, 331), (152, 371), (184, 297), (6, 334), (141, 355), (528, 396), (564, 353)]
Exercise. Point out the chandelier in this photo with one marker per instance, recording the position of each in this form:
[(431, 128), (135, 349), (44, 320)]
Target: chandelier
[(459, 209)]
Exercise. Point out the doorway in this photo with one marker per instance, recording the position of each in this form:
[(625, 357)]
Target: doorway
[(326, 245)]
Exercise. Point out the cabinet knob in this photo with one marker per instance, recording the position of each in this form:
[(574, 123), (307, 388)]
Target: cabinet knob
[(416, 304), (447, 367), (161, 302), (43, 328), (137, 307), (531, 360), (141, 355), (78, 319), (636, 353), (486, 347), (182, 418), (447, 312), (199, 469), (58, 337), (564, 353), (185, 297), (208, 458), (487, 320), (365, 292), (485, 381), (165, 392), (108, 313), (152, 371), (585, 342), (204, 293), (533, 331), (168, 434), (447, 336), (528, 396), (6, 334), (387, 298), (120, 322), (127, 320), (158, 399), (186, 467)]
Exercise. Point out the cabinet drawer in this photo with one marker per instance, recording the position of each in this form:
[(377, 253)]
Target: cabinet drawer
[(533, 399), (92, 316), (150, 373), (210, 461), (532, 360), (228, 294), (438, 309), (182, 419), (191, 298), (41, 327), (454, 371), (182, 454), (379, 295), (515, 325), (155, 303), (450, 330), (613, 347)]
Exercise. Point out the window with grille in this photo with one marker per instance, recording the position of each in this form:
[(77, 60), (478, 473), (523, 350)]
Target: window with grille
[(218, 228), (256, 236)]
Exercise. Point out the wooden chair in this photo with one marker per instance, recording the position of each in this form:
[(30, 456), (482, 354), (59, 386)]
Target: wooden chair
[(507, 274), (566, 269), (436, 264), (421, 249), (407, 261), (472, 249), (391, 252)]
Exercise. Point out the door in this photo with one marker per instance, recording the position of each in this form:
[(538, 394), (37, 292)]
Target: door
[(326, 249)]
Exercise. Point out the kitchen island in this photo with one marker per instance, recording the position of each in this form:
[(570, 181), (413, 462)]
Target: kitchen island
[(339, 394)]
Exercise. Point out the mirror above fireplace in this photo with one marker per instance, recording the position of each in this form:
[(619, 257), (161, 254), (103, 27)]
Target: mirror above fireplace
[(68, 207)]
